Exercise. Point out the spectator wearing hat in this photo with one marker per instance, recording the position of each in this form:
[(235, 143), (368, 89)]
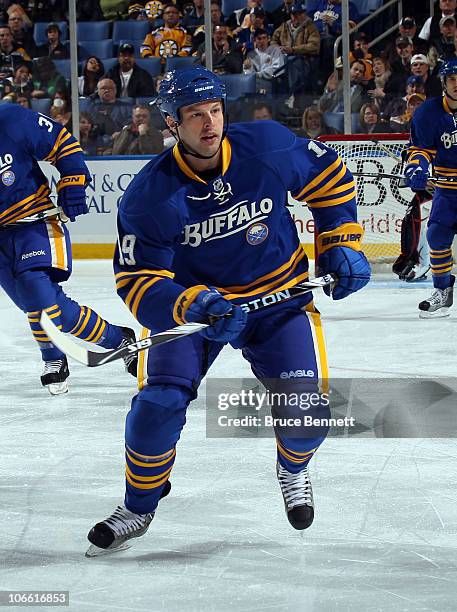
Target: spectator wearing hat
[(420, 67), (131, 80), (394, 107), (443, 47), (264, 60), (431, 28), (92, 72), (54, 48), (257, 21), (400, 68), (402, 123), (299, 41), (406, 29)]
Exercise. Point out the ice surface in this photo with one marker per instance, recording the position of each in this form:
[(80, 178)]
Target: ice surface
[(384, 537)]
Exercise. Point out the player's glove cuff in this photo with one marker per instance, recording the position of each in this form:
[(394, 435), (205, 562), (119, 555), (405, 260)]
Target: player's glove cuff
[(71, 181), (185, 300), (348, 235)]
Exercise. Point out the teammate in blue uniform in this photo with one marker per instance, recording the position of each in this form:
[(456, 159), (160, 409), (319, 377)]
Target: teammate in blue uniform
[(35, 249), (434, 143), (203, 228)]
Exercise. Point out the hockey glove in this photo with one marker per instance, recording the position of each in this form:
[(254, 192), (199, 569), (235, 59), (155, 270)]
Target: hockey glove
[(71, 195), (415, 177), (347, 262), (201, 304)]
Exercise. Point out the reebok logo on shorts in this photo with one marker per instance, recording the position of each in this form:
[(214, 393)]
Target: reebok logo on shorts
[(32, 254)]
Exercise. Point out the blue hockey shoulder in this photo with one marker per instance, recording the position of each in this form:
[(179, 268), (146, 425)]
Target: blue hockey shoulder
[(260, 138)]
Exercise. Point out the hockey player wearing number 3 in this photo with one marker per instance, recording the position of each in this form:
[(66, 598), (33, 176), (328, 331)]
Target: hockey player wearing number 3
[(434, 142), (35, 249), (205, 227)]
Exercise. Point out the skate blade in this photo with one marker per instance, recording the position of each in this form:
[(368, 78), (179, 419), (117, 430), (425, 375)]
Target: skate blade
[(437, 314), (95, 551), (58, 388), (419, 279)]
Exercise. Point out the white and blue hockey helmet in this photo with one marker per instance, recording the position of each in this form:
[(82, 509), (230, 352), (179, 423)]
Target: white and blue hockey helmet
[(188, 86), (449, 67)]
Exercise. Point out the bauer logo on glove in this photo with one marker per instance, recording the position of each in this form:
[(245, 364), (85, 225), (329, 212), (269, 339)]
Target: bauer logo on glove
[(340, 254)]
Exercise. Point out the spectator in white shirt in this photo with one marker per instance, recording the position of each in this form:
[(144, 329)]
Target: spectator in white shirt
[(431, 27), (265, 60)]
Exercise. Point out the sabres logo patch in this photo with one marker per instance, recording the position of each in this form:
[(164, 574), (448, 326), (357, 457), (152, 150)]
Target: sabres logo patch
[(8, 177), (256, 233)]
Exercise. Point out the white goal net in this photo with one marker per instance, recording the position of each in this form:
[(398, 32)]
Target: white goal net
[(381, 203)]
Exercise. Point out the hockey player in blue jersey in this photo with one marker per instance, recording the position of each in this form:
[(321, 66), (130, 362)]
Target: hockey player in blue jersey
[(35, 249), (203, 228), (434, 145)]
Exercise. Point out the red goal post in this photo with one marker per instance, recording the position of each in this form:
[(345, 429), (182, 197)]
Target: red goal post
[(381, 203)]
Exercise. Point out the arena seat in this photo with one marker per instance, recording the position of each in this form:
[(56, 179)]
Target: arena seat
[(92, 30)]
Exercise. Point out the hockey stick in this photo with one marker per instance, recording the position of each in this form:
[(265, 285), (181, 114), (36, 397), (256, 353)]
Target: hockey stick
[(93, 359), (53, 212), (433, 181), (386, 150), (378, 175)]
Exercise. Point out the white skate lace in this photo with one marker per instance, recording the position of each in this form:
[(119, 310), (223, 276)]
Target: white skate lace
[(296, 488), (52, 367), (123, 522), (437, 297)]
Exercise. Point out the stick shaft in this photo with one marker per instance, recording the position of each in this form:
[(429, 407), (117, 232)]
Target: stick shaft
[(95, 358)]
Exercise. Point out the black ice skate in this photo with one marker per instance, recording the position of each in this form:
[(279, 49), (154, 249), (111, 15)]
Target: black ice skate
[(298, 496), (438, 304), (418, 274), (113, 534), (131, 361), (55, 375)]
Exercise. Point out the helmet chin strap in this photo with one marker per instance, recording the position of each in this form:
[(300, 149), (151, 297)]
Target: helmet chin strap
[(448, 95)]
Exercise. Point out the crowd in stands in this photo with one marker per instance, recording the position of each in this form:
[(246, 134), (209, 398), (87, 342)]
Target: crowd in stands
[(277, 61)]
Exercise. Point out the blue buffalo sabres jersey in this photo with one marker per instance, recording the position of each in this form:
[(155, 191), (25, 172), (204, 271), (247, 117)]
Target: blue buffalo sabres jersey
[(233, 232), (26, 138), (434, 139)]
